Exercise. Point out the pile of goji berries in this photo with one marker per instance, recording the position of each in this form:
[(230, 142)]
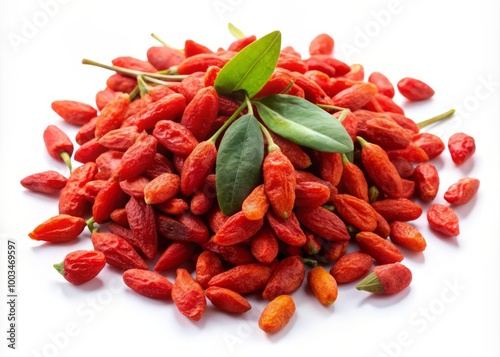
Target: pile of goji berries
[(145, 185)]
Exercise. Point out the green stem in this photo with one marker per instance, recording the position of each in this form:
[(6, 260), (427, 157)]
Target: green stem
[(343, 115), (59, 267), (66, 157), (271, 145), (134, 73), (435, 119), (135, 92), (228, 122), (249, 105), (362, 141), (143, 86), (156, 81), (160, 40), (284, 91), (328, 106), (310, 262), (90, 225)]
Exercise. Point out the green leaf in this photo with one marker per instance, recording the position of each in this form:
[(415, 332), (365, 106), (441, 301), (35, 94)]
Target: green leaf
[(236, 32), (303, 123), (250, 68), (239, 162)]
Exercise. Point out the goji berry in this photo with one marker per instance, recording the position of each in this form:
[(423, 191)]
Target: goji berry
[(137, 158), (119, 253), (49, 182), (286, 278), (162, 188), (443, 219), (351, 267), (414, 89), (208, 265), (264, 245), (112, 115), (356, 212), (176, 254), (407, 236), (74, 112), (148, 283), (188, 295), (382, 83), (288, 229), (58, 144), (72, 199), (279, 182), (277, 314), (256, 204), (462, 191), (227, 300), (200, 113), (398, 209), (197, 167), (236, 229), (243, 279), (461, 147), (141, 218), (323, 222), (323, 285), (386, 279), (321, 44), (426, 178), (380, 249), (81, 266), (57, 229), (432, 144), (175, 137), (380, 169)]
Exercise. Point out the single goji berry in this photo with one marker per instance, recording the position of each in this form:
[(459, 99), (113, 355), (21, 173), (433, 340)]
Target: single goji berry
[(264, 245), (49, 182), (162, 188), (356, 212), (443, 219), (380, 249), (461, 146), (119, 253), (462, 191), (288, 229), (89, 151), (188, 295), (414, 89), (109, 198), (286, 278), (277, 314), (386, 279), (72, 199), (407, 236), (197, 167), (279, 182), (58, 144), (148, 283), (163, 57), (398, 209), (74, 112), (323, 285), (59, 228), (256, 204), (81, 266), (137, 158), (356, 96), (330, 167), (119, 139), (426, 178), (170, 107), (243, 279), (176, 254), (208, 265), (432, 144), (175, 137), (141, 218), (353, 180), (321, 44), (112, 115), (323, 222), (382, 83), (311, 194), (380, 169), (192, 48), (86, 132), (227, 300), (201, 112), (237, 228), (351, 267)]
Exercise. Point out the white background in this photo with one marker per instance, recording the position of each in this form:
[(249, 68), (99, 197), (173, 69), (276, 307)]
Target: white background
[(452, 306)]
